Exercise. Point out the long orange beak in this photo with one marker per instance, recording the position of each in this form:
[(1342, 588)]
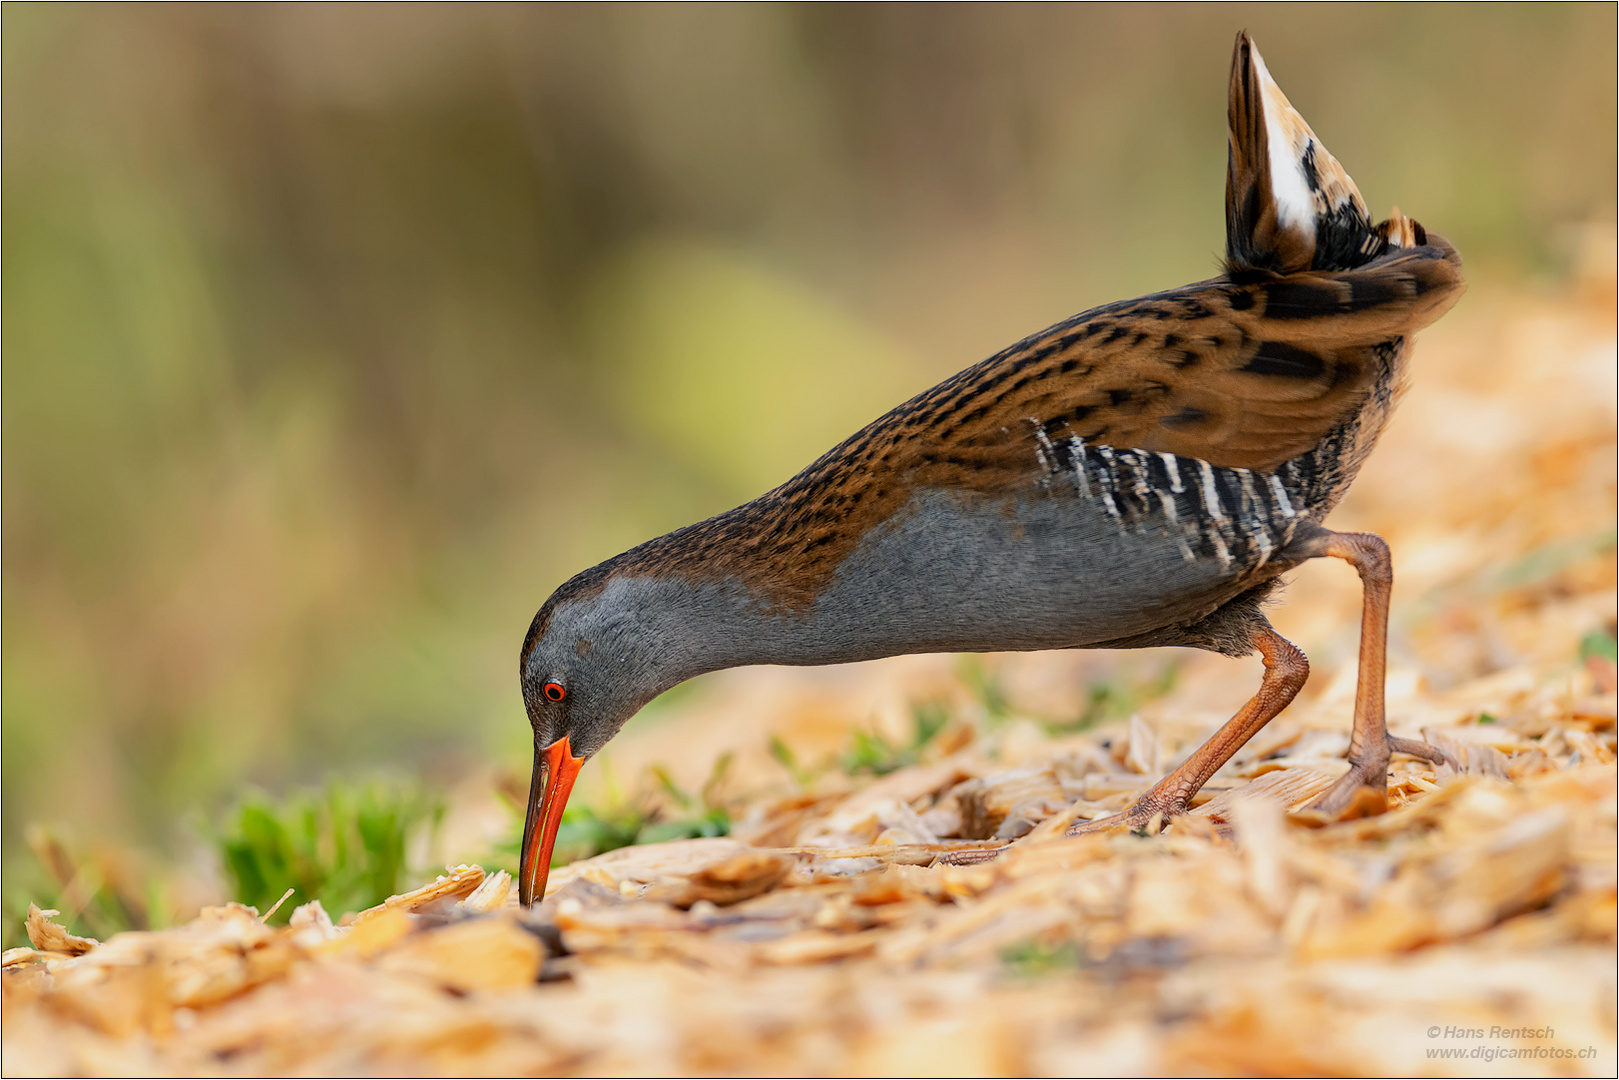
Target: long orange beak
[(555, 770)]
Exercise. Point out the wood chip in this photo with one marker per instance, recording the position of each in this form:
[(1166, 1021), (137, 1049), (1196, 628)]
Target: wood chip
[(476, 954), (1019, 799), (53, 938), (727, 881), (459, 882)]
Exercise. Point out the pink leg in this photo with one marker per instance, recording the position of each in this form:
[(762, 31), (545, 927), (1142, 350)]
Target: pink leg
[(1370, 744), (1285, 672)]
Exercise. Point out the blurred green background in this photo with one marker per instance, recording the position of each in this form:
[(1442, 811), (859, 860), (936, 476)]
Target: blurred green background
[(336, 337)]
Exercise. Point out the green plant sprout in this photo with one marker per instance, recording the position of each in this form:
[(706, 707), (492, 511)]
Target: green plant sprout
[(345, 846), (873, 753), (1117, 697), (1599, 645), (1034, 958), (802, 775), (985, 686)]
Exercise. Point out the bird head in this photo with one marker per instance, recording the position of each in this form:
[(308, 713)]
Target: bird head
[(589, 663)]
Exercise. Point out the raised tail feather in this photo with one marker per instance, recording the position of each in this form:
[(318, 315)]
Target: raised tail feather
[(1289, 205)]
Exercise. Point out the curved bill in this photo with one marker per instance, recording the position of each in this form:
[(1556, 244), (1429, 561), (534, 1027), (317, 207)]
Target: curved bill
[(555, 770)]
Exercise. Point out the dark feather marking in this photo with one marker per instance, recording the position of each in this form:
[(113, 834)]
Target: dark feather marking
[(974, 393), (1346, 370), (1187, 417), (1307, 164), (1303, 300), (1045, 350), (1366, 291), (1341, 237), (1230, 491), (1286, 361)]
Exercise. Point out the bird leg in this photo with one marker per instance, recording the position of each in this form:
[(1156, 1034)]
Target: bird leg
[(1370, 744), (1285, 672)]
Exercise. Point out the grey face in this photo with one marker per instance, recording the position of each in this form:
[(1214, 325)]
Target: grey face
[(593, 669)]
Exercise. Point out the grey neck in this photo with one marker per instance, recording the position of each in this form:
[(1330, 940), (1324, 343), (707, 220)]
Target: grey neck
[(689, 629)]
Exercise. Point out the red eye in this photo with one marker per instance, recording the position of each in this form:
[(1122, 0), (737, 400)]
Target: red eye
[(553, 691)]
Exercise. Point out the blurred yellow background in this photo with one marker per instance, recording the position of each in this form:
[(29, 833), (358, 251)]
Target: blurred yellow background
[(336, 337)]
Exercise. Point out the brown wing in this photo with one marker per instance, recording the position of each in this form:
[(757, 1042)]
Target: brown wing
[(1246, 375)]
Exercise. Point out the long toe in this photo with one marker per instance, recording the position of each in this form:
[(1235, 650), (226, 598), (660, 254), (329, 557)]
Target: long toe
[(1142, 817), (1363, 790), (1419, 749), (1359, 793)]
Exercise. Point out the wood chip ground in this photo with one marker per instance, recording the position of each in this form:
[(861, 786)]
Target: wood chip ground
[(863, 929)]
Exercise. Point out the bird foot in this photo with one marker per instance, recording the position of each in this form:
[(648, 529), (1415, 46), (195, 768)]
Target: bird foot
[(1363, 790)]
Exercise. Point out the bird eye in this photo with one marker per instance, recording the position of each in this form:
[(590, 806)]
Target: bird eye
[(553, 691)]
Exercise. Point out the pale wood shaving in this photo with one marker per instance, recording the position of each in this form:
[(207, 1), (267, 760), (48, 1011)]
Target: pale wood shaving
[(51, 937), (460, 882)]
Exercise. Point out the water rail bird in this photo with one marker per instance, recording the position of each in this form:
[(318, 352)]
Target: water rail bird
[(1137, 475)]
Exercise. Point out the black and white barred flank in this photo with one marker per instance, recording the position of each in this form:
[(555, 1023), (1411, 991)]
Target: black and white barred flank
[(1240, 517)]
